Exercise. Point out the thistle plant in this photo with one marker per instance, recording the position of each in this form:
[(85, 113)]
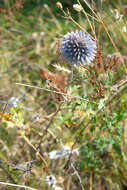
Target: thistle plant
[(78, 47), (74, 132)]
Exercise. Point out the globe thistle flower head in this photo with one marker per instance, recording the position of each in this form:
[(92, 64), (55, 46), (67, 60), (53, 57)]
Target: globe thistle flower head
[(78, 47)]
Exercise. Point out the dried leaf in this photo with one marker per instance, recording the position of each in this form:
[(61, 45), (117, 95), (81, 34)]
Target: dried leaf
[(3, 10), (18, 4), (59, 81), (113, 61), (124, 10)]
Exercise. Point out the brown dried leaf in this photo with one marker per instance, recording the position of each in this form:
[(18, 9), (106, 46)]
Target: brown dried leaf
[(18, 4), (124, 10), (3, 10), (98, 62), (113, 61), (59, 81)]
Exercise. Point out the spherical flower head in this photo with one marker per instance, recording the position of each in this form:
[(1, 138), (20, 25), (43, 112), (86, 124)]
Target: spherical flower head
[(78, 47)]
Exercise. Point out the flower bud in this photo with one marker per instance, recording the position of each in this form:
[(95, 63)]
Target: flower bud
[(77, 7), (59, 5)]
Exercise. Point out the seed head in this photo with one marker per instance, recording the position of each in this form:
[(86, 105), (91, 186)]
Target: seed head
[(78, 47)]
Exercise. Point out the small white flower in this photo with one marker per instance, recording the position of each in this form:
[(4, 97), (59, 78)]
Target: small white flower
[(66, 148), (13, 102), (42, 33), (45, 6), (50, 180), (34, 35), (55, 154), (117, 15), (77, 7), (124, 29), (65, 151)]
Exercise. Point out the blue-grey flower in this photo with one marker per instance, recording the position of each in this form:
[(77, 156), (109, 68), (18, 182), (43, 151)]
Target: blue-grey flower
[(78, 47)]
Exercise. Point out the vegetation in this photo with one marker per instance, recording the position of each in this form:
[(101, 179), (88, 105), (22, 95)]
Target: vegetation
[(62, 126)]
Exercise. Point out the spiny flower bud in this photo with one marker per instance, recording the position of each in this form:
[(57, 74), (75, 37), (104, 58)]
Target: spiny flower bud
[(78, 47)]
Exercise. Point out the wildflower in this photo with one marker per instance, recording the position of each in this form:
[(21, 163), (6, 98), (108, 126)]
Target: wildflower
[(117, 15), (59, 5), (13, 102), (124, 29), (45, 6), (77, 7), (64, 152), (66, 148), (34, 35), (78, 47), (50, 180), (55, 154), (42, 33)]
